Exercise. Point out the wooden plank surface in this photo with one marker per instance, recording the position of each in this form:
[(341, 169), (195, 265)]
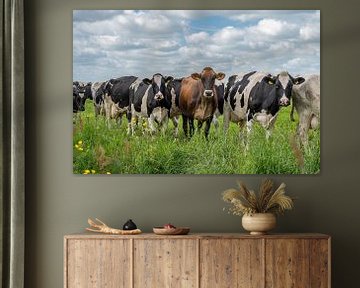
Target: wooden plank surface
[(166, 263), (98, 263), (197, 260), (231, 263), (287, 263), (88, 235), (319, 263)]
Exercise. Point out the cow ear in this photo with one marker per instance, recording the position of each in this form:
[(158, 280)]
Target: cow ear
[(168, 79), (269, 79), (298, 80), (220, 75), (107, 87), (196, 76), (147, 81)]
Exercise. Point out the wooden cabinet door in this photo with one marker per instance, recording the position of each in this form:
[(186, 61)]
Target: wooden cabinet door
[(297, 263), (98, 263), (231, 263), (320, 263), (167, 263), (287, 263)]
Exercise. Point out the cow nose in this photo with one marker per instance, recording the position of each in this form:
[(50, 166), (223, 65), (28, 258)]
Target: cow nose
[(284, 101), (159, 97), (208, 93)]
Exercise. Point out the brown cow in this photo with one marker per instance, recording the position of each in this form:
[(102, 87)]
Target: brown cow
[(198, 99)]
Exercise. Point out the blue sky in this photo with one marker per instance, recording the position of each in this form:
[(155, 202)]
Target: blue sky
[(112, 43)]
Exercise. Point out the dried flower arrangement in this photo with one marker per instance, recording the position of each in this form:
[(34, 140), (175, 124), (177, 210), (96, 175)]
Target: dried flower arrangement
[(267, 200)]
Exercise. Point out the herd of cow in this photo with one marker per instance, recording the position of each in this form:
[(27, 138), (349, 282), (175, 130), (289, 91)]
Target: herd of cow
[(245, 98)]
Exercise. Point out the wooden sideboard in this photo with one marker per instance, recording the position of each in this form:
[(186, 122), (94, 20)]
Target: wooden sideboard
[(197, 260)]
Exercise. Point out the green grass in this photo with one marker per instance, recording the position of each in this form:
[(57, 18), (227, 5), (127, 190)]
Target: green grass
[(109, 149)]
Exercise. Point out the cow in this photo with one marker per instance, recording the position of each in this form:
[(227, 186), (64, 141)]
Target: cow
[(151, 99), (174, 86), (257, 96), (199, 99), (220, 90), (81, 92), (306, 101), (117, 98), (78, 104), (97, 92)]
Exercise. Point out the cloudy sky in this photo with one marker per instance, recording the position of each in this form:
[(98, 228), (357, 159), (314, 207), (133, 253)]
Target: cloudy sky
[(109, 44)]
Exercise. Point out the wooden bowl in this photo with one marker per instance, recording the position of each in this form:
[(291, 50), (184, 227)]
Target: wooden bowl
[(259, 223), (171, 231)]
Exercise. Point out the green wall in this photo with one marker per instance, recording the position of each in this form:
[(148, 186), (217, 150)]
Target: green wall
[(58, 203)]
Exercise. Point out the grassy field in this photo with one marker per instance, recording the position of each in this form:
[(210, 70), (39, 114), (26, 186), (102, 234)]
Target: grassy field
[(99, 149)]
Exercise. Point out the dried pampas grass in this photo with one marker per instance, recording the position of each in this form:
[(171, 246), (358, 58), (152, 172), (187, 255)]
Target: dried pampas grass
[(245, 201)]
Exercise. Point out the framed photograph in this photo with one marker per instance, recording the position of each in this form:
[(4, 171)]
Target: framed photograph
[(196, 91)]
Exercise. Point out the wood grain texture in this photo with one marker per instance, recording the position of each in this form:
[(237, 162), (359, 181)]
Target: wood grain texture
[(319, 263), (231, 263), (165, 263), (88, 235), (98, 263), (197, 260), (287, 263)]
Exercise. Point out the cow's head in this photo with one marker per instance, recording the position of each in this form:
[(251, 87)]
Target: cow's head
[(78, 96), (207, 77), (80, 88), (283, 84), (87, 93), (78, 102), (107, 88), (100, 93), (158, 85)]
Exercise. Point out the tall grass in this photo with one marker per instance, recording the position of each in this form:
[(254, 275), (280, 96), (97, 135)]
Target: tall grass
[(102, 148)]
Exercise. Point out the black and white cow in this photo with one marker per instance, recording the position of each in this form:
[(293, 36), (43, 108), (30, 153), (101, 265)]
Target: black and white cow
[(78, 104), (151, 99), (306, 101), (220, 90), (174, 86), (257, 96), (117, 98), (98, 96), (81, 92)]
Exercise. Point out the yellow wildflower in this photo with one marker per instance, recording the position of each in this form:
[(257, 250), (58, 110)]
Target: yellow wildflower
[(87, 171), (108, 173), (80, 142), (93, 171), (76, 146), (81, 149)]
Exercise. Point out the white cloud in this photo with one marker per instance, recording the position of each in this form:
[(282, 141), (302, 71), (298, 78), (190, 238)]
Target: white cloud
[(114, 43), (197, 38), (229, 35), (293, 62), (270, 27), (310, 32)]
